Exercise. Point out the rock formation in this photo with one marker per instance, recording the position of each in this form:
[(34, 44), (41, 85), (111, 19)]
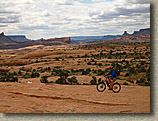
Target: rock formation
[(5, 39), (125, 33), (140, 32)]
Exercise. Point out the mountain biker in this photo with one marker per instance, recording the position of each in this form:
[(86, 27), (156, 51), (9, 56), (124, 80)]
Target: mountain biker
[(113, 76)]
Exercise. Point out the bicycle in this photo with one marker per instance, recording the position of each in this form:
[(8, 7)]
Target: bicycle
[(101, 86)]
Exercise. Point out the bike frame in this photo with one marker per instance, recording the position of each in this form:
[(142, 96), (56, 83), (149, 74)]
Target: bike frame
[(109, 82)]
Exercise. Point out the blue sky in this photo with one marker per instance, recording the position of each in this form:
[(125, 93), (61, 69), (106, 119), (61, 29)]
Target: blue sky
[(63, 18)]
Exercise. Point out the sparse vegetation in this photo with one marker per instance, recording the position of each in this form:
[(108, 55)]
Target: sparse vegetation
[(131, 59), (44, 79), (93, 81)]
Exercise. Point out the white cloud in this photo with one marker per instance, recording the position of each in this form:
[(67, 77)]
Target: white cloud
[(46, 13), (52, 18)]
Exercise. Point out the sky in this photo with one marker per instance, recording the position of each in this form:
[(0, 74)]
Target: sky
[(64, 18)]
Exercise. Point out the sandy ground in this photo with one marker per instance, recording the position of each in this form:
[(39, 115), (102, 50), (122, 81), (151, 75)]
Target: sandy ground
[(55, 98)]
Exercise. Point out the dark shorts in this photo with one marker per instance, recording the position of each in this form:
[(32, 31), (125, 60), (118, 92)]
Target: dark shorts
[(114, 79)]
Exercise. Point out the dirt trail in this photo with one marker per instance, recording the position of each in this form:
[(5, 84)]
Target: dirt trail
[(54, 98)]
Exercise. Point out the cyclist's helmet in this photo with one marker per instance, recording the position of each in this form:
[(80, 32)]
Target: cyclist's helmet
[(111, 67)]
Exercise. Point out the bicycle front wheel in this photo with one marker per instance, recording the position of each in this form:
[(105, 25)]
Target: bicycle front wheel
[(116, 87), (101, 86)]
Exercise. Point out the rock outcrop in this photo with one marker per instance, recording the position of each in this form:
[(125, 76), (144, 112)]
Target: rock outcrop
[(4, 39), (140, 32), (125, 33)]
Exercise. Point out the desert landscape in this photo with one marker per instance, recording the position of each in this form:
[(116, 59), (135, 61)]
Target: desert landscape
[(62, 78)]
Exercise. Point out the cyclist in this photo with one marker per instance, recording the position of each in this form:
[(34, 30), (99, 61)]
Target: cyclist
[(113, 76)]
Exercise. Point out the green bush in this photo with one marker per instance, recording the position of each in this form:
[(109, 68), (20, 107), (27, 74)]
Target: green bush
[(8, 78), (89, 63), (73, 80), (125, 83), (85, 84), (93, 81), (34, 75), (99, 80), (44, 79), (63, 76), (127, 74)]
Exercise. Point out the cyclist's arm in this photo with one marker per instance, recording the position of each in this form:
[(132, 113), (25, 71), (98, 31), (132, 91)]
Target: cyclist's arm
[(107, 74)]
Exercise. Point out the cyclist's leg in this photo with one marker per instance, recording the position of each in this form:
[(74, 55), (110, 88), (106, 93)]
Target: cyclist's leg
[(114, 79), (111, 83)]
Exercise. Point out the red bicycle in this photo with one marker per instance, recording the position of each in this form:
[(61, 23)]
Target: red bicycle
[(101, 86)]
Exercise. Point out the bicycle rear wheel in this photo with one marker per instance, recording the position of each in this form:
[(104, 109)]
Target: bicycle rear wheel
[(101, 86), (116, 87)]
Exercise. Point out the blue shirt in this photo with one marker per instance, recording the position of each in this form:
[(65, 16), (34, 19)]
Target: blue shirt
[(113, 73)]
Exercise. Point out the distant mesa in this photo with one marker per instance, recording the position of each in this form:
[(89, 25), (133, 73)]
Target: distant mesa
[(140, 32), (20, 41), (15, 42), (19, 38)]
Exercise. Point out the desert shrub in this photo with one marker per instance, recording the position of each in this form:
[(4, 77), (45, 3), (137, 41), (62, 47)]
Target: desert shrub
[(141, 69), (124, 53), (63, 76), (125, 83), (147, 83), (130, 81), (100, 72), (8, 78), (14, 79), (34, 75), (110, 52), (85, 84), (142, 80), (94, 71), (92, 60), (132, 70), (89, 63), (26, 76), (95, 63), (49, 69), (14, 73), (148, 74), (56, 59), (44, 79), (99, 64), (34, 70), (93, 81), (73, 80), (87, 71), (99, 80), (127, 74), (2, 79)]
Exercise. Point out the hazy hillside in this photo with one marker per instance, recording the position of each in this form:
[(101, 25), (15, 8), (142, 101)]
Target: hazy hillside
[(81, 39)]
